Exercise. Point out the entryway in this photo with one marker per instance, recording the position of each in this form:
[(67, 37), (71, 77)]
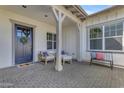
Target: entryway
[(23, 44)]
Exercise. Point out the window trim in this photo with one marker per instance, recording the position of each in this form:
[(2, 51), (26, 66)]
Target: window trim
[(103, 36), (53, 41)]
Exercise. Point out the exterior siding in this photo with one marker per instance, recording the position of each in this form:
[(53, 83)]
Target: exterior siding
[(70, 40), (107, 16)]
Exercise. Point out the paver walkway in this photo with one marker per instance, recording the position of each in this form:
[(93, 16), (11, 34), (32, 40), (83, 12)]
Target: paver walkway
[(76, 75)]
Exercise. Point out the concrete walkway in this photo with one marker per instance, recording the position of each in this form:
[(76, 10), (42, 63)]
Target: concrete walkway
[(76, 75)]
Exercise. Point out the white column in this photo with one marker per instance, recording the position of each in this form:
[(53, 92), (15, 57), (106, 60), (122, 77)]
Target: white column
[(59, 19), (79, 41)]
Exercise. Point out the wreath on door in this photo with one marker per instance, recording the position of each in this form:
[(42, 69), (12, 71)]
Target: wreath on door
[(24, 39)]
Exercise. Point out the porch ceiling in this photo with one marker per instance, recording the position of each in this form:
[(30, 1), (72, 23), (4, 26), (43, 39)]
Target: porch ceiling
[(41, 13), (77, 11)]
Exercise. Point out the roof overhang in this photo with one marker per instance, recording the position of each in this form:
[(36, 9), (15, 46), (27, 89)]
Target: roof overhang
[(77, 11)]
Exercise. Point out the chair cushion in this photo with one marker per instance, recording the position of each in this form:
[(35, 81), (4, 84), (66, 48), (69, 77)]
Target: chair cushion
[(99, 56), (51, 57), (45, 54)]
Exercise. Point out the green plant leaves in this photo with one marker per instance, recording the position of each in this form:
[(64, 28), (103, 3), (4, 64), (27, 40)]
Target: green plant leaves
[(24, 40)]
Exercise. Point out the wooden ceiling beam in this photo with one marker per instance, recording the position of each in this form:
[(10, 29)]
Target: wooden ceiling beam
[(79, 15), (74, 12), (68, 7), (71, 8)]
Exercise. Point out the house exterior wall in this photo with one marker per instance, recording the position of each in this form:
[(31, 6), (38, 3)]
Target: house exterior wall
[(70, 40), (69, 37), (6, 36), (107, 16)]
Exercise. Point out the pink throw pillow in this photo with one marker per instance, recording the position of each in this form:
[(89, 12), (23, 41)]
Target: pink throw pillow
[(99, 56)]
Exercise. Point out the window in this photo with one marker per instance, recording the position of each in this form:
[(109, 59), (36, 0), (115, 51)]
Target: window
[(113, 36), (96, 38), (113, 43), (106, 37), (51, 41)]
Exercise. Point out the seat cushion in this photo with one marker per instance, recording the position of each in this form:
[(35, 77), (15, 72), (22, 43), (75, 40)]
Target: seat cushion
[(50, 57), (99, 56)]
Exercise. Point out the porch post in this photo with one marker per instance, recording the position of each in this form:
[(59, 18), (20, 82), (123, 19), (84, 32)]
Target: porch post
[(79, 25), (59, 19)]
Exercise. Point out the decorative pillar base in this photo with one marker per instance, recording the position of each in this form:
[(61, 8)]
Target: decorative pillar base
[(58, 67)]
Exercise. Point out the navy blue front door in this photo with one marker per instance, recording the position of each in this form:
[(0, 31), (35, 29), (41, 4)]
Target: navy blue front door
[(23, 44)]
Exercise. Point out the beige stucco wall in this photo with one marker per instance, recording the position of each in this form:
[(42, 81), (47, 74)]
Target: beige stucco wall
[(6, 36), (114, 14)]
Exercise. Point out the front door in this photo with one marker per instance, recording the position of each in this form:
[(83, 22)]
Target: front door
[(23, 44)]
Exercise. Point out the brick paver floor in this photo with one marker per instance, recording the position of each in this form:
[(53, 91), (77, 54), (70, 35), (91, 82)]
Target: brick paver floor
[(75, 75)]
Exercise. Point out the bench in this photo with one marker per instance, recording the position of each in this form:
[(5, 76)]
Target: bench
[(102, 57)]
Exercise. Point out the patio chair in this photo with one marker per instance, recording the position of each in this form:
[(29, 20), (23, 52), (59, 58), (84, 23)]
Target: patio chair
[(66, 57), (46, 56)]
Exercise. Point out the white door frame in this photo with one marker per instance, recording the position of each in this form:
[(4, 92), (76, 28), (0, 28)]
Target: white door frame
[(13, 22)]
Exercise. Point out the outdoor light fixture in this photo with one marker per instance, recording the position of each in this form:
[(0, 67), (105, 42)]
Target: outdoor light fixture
[(24, 6)]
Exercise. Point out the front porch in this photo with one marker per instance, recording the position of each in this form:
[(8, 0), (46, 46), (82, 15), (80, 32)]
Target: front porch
[(65, 23), (77, 75), (43, 20)]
